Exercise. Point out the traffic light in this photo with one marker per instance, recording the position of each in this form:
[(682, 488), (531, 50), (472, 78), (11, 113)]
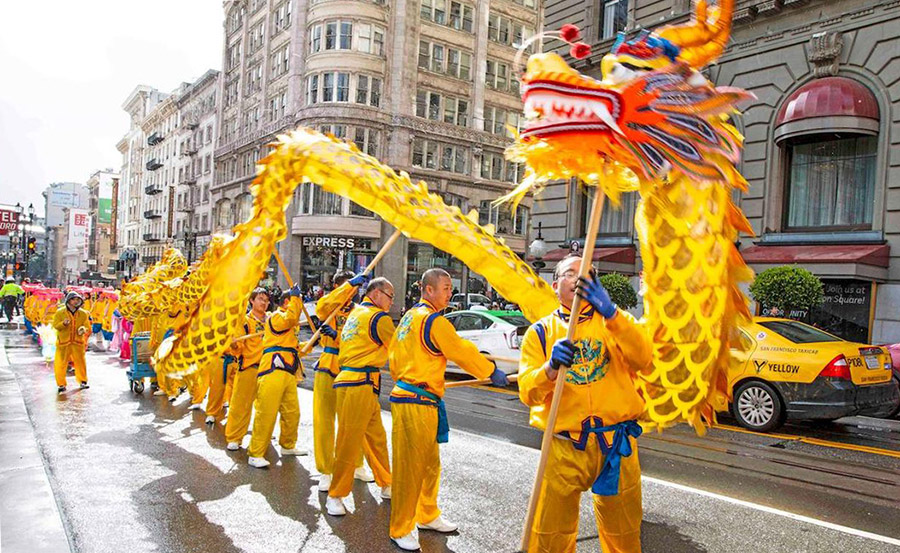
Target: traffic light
[(32, 244), (20, 266)]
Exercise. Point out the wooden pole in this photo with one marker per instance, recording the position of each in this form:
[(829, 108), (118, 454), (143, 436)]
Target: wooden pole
[(586, 257), (369, 268), (290, 281)]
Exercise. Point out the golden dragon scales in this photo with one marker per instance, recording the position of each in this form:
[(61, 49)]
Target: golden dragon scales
[(655, 124)]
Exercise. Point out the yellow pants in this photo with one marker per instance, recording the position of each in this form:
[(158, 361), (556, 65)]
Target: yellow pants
[(168, 384), (198, 382), (417, 467), (570, 473), (64, 354), (218, 376), (276, 394), (324, 412), (359, 430), (240, 407)]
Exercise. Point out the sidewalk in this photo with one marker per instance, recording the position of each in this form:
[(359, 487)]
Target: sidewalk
[(29, 517)]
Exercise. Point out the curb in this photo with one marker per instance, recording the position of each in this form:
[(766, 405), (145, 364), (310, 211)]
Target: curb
[(30, 519)]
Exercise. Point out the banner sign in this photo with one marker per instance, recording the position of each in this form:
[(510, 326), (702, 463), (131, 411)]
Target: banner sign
[(9, 221)]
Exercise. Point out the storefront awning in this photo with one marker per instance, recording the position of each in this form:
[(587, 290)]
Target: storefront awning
[(867, 261), (832, 104), (624, 255)]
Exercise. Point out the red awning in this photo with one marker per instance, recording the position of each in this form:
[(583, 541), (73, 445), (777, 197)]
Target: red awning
[(829, 97), (877, 255), (624, 254)]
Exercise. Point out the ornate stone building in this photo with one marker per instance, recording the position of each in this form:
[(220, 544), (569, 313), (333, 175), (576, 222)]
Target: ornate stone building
[(426, 86), (821, 149)]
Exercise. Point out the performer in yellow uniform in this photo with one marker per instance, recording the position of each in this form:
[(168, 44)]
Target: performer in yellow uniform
[(163, 327), (418, 354), (276, 392), (244, 389), (326, 369), (595, 445), (98, 315), (364, 350), (73, 328)]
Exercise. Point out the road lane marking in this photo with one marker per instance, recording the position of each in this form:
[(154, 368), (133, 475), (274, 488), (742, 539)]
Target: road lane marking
[(774, 511), (814, 441)]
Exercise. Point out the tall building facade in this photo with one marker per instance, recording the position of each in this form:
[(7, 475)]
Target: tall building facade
[(99, 257), (59, 197), (196, 142), (167, 167), (820, 152), (142, 100), (427, 87)]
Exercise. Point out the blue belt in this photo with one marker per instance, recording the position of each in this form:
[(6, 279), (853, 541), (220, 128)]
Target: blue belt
[(278, 349), (332, 351), (443, 429), (607, 483), (368, 371), (168, 333), (226, 360)]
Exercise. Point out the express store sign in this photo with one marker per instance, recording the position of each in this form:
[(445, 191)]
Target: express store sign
[(336, 242)]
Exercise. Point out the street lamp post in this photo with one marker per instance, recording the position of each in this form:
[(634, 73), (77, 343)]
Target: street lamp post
[(538, 249), (190, 242), (24, 241)]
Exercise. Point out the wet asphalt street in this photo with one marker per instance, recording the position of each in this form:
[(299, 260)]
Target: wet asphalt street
[(136, 473)]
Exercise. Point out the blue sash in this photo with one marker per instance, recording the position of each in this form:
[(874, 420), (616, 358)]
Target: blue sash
[(443, 429), (226, 360), (278, 349), (607, 483), (368, 371)]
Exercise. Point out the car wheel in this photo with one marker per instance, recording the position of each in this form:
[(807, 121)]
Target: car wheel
[(896, 410), (758, 407)]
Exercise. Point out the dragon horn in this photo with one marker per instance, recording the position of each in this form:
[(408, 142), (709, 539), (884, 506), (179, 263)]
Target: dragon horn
[(704, 38)]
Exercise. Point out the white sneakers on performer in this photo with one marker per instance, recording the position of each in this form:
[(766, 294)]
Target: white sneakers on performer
[(195, 407), (386, 492), (233, 446), (440, 524), (298, 451), (325, 483), (210, 420), (363, 474), (159, 393), (334, 506), (257, 462), (409, 542)]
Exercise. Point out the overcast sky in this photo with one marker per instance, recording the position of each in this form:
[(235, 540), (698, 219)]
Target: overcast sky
[(67, 67)]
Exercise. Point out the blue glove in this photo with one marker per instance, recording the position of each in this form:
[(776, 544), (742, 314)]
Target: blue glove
[(360, 280), (591, 291), (562, 354), (328, 331), (498, 379), (295, 291)]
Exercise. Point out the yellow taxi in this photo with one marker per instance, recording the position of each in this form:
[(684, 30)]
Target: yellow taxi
[(791, 370)]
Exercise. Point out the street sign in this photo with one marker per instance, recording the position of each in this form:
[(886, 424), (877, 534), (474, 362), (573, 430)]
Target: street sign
[(9, 221)]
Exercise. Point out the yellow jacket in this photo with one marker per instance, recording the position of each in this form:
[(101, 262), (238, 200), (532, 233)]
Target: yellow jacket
[(364, 346), (165, 324), (280, 346), (599, 384), (67, 334), (339, 298), (98, 311), (421, 346), (251, 349)]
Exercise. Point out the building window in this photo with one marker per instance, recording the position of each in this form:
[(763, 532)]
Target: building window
[(442, 59), (506, 31), (497, 119), (497, 75), (430, 154), (315, 201), (504, 220), (257, 36), (281, 60), (460, 16), (456, 111), (315, 39), (254, 79), (282, 17), (495, 167), (368, 90), (234, 56), (312, 89), (831, 183), (366, 140), (370, 39), (338, 35), (614, 17)]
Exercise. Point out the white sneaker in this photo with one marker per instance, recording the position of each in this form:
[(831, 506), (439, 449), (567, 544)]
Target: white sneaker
[(195, 407), (159, 393), (173, 399), (334, 506), (233, 446), (257, 462), (440, 524), (409, 542), (386, 492), (363, 474), (210, 420), (298, 451), (325, 483)]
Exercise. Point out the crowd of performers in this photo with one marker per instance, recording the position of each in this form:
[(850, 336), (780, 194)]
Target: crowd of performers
[(256, 382)]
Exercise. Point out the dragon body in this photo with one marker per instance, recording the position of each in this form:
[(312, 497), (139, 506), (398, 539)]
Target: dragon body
[(654, 124)]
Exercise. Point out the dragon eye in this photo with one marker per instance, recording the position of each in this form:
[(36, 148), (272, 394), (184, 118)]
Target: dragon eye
[(634, 67)]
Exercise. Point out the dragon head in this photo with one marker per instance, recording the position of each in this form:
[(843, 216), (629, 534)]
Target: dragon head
[(650, 112)]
